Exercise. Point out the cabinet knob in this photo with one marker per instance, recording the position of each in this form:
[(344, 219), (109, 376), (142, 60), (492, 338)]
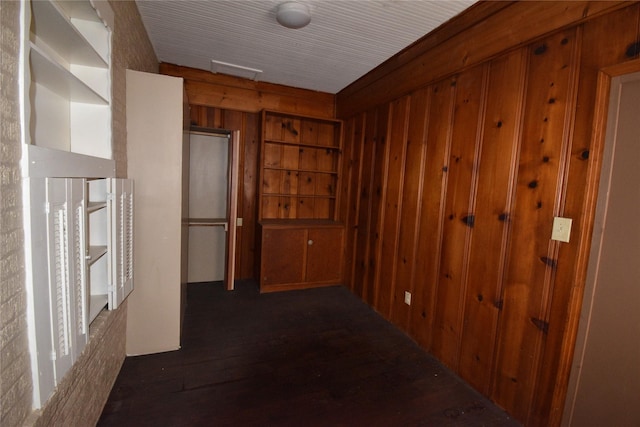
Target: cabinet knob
[(310, 242)]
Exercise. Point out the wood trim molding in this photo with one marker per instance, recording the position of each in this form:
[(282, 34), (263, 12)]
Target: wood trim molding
[(234, 93), (477, 35)]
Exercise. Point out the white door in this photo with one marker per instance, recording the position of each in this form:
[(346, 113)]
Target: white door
[(155, 162), (65, 213)]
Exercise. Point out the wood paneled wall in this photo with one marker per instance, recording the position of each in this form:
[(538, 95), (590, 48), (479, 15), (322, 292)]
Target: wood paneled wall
[(230, 103), (458, 154)]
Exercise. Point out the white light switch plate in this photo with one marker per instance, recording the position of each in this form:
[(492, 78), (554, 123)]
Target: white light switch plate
[(561, 229), (407, 297)]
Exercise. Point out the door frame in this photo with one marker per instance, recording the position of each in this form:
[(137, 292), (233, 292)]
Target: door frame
[(232, 208), (589, 216), (233, 166)]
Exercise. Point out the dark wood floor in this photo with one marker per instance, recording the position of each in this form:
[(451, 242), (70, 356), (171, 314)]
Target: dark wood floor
[(318, 357)]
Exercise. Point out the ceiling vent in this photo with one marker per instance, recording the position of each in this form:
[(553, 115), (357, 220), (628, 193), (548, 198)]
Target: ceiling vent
[(235, 70)]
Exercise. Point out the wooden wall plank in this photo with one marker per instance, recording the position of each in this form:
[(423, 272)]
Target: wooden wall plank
[(531, 262), (459, 218), (362, 266), (346, 173), (432, 211), (309, 131), (496, 173), (249, 145), (411, 207), (397, 143), (378, 195), (351, 187)]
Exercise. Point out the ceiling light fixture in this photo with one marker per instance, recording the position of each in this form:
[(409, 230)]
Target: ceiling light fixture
[(293, 14)]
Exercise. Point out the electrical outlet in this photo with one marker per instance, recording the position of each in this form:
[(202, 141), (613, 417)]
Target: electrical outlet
[(407, 297), (561, 229)]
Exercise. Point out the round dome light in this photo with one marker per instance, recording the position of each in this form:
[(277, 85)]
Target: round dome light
[(293, 15)]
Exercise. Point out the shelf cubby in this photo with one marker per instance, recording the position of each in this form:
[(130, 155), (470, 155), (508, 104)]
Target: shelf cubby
[(299, 166)]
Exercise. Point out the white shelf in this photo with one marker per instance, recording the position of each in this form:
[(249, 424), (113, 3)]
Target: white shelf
[(58, 79), (95, 206), (95, 253), (42, 162), (69, 59), (52, 24)]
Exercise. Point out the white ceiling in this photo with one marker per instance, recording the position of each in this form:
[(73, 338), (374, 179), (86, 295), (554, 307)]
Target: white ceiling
[(345, 39)]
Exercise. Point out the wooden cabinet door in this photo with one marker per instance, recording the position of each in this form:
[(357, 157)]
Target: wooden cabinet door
[(283, 256), (324, 255)]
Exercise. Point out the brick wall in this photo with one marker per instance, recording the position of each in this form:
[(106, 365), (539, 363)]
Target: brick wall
[(79, 398), (15, 371)]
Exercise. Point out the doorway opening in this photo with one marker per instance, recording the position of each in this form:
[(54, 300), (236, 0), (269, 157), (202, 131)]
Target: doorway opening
[(213, 176), (605, 375)]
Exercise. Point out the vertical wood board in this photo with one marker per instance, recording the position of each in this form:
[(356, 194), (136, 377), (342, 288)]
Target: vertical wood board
[(531, 261), (354, 142), (409, 218), (432, 211), (458, 221), (397, 143), (363, 267), (378, 195), (496, 172)]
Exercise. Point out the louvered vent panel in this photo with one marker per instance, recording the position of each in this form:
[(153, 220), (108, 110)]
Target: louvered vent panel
[(79, 270), (122, 240), (61, 246), (129, 238)]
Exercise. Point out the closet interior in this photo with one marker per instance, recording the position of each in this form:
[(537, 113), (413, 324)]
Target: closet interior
[(209, 205)]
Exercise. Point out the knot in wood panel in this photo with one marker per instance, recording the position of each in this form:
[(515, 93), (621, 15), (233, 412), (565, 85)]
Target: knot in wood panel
[(289, 126), (549, 261), (540, 324), (584, 155), (469, 220), (540, 49), (633, 50)]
